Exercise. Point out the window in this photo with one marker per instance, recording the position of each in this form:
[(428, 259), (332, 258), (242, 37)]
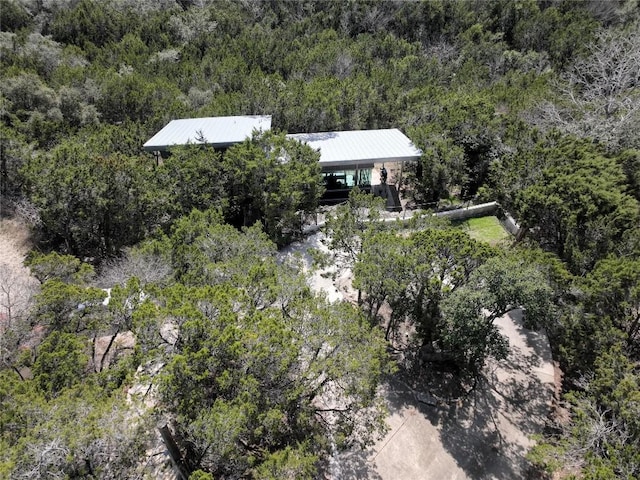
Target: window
[(343, 179)]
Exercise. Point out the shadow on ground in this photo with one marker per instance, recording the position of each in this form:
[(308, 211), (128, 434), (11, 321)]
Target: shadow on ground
[(484, 436)]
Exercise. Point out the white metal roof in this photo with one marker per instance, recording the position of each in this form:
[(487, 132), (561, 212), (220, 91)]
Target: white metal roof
[(214, 131), (360, 146)]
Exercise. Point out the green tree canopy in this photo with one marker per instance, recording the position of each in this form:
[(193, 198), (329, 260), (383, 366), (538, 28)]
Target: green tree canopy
[(269, 380), (92, 204), (579, 207), (612, 290), (60, 362), (414, 273), (494, 288), (271, 179)]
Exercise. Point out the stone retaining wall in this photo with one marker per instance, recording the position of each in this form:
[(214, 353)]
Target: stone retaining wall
[(510, 224), (474, 211)]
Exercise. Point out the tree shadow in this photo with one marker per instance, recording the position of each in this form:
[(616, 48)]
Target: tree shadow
[(486, 434), (355, 465)]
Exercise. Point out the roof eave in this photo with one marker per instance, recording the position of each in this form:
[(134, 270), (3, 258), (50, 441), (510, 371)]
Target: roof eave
[(367, 161)]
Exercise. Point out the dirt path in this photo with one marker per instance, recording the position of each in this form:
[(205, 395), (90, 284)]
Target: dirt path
[(14, 245), (16, 282)]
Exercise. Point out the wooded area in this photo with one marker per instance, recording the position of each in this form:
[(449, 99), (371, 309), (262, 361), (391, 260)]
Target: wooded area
[(531, 103)]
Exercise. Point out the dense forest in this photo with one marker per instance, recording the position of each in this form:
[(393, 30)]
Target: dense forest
[(532, 103)]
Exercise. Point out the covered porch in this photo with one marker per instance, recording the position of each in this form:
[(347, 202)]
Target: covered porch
[(355, 158)]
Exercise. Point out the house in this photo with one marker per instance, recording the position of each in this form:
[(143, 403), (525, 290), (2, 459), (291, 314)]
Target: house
[(217, 132), (361, 158), (348, 159)]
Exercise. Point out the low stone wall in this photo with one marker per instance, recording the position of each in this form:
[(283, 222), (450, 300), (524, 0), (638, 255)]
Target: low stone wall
[(474, 211), (510, 224), (491, 208)]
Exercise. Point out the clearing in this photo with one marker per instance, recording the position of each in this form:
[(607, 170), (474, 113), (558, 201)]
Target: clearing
[(485, 229)]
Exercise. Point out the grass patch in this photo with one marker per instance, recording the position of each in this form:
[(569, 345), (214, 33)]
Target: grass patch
[(485, 229)]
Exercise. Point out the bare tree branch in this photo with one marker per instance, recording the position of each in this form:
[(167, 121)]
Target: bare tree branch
[(601, 91)]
